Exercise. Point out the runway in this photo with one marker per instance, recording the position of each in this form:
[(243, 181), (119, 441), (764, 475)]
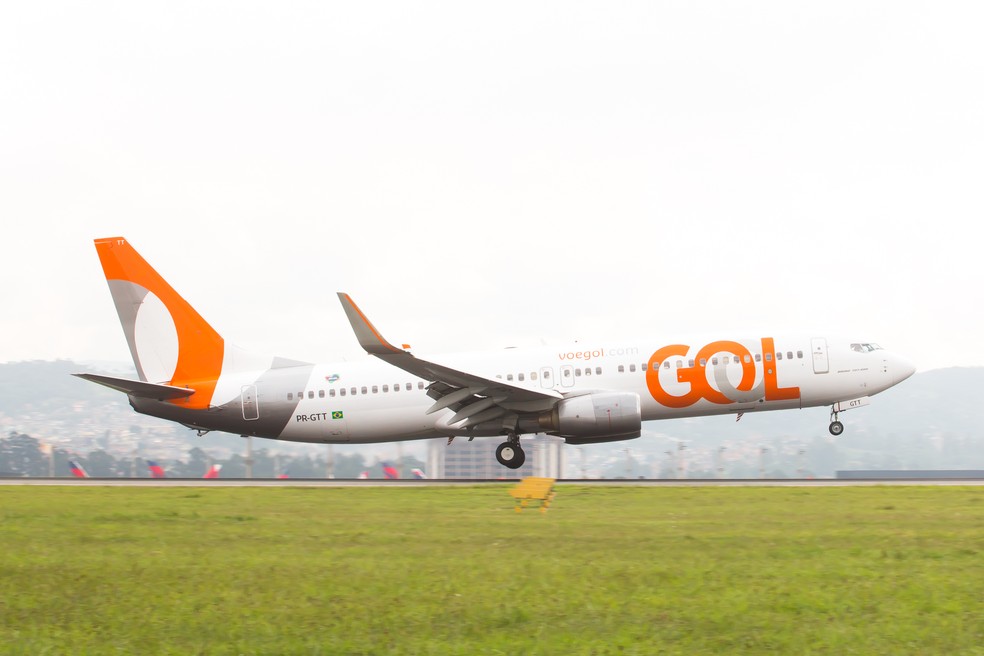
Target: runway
[(351, 482)]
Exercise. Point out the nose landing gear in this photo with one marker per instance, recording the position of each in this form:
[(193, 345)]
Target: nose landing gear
[(510, 454)]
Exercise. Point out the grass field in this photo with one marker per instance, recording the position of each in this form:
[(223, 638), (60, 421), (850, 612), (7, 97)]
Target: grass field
[(607, 570)]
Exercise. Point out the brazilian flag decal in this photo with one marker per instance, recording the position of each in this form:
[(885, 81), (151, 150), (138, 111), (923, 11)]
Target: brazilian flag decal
[(337, 414)]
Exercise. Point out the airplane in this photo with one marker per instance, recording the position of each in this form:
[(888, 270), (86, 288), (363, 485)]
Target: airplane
[(389, 471), (418, 473), (78, 471), (584, 392), (213, 471)]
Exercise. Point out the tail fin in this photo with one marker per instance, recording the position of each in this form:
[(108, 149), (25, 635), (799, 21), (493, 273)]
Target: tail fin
[(156, 471), (169, 341), (77, 470), (213, 471)]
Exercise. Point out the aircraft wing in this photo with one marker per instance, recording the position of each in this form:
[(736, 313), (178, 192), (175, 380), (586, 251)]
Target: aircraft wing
[(138, 387), (474, 399)]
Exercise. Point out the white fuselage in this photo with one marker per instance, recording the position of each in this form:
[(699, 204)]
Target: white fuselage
[(371, 401)]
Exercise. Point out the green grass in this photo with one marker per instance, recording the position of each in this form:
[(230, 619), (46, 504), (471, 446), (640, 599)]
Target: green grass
[(607, 570)]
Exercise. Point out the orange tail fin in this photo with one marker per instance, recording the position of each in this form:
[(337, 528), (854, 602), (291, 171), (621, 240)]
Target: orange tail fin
[(169, 341)]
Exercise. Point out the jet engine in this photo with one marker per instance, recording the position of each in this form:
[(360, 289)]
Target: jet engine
[(597, 417)]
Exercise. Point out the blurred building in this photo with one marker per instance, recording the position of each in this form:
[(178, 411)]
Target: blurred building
[(476, 459)]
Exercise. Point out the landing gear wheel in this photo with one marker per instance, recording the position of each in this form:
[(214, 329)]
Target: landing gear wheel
[(510, 454), (836, 428)]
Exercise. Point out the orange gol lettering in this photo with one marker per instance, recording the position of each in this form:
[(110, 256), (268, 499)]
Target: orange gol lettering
[(696, 376)]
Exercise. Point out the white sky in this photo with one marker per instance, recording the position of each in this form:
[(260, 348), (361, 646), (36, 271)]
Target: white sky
[(483, 175)]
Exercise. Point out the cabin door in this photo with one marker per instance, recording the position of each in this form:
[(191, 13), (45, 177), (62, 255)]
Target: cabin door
[(820, 363), (251, 410)]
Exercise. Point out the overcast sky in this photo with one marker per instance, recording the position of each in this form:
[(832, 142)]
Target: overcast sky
[(480, 175)]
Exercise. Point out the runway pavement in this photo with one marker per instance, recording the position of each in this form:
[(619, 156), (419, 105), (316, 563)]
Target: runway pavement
[(349, 482)]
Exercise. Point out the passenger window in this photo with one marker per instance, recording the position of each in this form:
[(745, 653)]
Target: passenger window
[(509, 376), (321, 394), (632, 368), (748, 359), (546, 374), (768, 357), (396, 388), (342, 391), (779, 355), (354, 391), (522, 377), (290, 396), (789, 355), (703, 362), (310, 394), (587, 372), (714, 361), (386, 388), (577, 372), (567, 373), (420, 385), (679, 364), (799, 354), (331, 392), (375, 389), (758, 357), (645, 366), (690, 363), (621, 368), (597, 371), (737, 361), (364, 390)]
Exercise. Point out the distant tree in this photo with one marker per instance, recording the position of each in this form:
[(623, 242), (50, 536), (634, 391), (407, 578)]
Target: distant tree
[(102, 465), (349, 465), (304, 467), (195, 466), (21, 454), (264, 464)]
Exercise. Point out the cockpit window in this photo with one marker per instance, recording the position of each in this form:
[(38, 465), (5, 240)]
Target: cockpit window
[(865, 348)]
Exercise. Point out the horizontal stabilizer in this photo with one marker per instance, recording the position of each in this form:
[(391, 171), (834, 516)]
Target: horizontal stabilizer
[(139, 388)]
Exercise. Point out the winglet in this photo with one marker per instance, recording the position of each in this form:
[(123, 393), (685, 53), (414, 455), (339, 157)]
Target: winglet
[(369, 338)]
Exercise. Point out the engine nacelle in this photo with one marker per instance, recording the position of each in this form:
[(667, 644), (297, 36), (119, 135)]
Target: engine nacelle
[(598, 417)]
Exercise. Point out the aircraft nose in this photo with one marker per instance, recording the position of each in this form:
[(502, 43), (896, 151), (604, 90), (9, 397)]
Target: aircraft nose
[(902, 369)]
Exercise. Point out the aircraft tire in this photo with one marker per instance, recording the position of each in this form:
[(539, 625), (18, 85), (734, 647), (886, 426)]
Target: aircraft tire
[(510, 455), (836, 428)]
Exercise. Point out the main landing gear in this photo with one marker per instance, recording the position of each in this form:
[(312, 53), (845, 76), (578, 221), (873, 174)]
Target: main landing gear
[(510, 454), (836, 428)]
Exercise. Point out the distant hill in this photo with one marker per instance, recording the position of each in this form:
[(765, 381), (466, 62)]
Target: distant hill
[(26, 386)]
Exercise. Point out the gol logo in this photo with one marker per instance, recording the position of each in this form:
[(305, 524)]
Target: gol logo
[(699, 385)]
